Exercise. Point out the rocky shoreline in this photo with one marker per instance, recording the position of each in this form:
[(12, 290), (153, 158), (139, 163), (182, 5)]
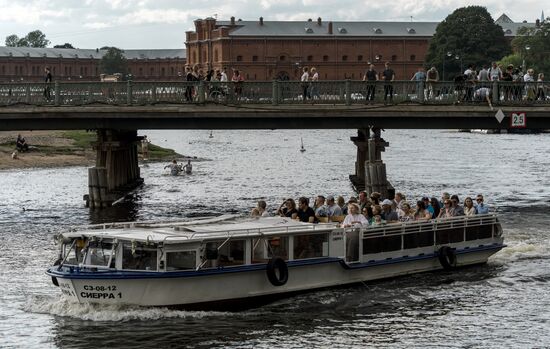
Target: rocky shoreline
[(60, 149)]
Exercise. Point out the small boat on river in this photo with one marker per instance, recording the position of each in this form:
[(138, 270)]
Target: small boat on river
[(214, 263)]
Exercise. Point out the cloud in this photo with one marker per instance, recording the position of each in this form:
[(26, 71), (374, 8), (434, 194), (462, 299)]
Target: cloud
[(128, 22)]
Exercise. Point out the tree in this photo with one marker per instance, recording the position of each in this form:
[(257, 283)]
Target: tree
[(65, 45), (469, 35), (532, 44), (513, 59), (37, 39), (12, 40), (33, 39), (113, 61)]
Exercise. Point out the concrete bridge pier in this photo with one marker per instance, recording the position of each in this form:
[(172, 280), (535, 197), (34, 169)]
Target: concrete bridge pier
[(116, 171), (370, 170)]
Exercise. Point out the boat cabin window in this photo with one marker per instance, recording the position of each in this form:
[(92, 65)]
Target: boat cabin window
[(99, 253), (310, 246), (139, 258), (75, 255), (224, 253), (181, 260), (263, 249)]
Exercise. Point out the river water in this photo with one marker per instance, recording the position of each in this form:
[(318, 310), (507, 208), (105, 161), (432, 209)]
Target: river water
[(504, 303)]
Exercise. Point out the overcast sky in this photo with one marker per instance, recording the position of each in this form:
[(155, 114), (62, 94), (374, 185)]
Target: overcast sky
[(163, 23)]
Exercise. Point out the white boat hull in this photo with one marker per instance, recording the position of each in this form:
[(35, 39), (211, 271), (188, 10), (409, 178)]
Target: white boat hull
[(247, 284)]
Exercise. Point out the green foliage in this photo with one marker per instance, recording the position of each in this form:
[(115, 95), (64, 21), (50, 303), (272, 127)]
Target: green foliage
[(12, 40), (65, 45), (533, 45), (470, 34), (37, 39), (514, 59), (81, 139), (113, 62), (33, 39)]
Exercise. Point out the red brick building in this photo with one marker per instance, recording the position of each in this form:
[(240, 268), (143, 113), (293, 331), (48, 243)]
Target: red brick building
[(24, 64), (264, 50)]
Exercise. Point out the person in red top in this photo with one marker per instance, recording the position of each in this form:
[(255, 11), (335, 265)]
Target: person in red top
[(237, 80)]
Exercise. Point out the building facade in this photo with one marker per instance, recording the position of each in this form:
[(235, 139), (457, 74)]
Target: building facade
[(266, 50), (24, 64)]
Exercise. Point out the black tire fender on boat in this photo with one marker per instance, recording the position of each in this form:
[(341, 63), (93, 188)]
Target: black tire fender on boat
[(447, 257), (54, 281), (277, 264)]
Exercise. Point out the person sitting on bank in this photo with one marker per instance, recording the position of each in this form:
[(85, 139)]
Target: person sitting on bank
[(175, 169), (21, 144), (188, 168), (305, 213), (354, 217)]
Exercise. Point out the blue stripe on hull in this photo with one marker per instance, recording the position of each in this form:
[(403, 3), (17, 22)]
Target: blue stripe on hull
[(76, 273)]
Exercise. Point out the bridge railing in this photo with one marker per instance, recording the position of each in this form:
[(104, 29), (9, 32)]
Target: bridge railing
[(346, 92)]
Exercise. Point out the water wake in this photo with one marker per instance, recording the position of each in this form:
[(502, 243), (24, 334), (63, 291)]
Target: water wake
[(61, 306)]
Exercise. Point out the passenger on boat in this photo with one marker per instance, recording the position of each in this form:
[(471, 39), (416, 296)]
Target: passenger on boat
[(175, 169), (377, 221), (447, 210), (457, 209), (405, 214), (375, 198), (388, 214), (342, 203), (261, 209), (444, 196), (436, 207), (481, 208), (320, 207), (288, 208), (399, 199), (354, 217), (469, 209), (305, 213), (421, 212), (428, 205), (367, 212), (332, 208), (376, 210), (363, 200), (188, 168), (352, 200)]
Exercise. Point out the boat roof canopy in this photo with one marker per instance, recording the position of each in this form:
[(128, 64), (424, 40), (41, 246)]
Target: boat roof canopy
[(172, 234)]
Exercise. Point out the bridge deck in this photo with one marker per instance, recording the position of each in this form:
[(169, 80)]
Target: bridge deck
[(303, 116)]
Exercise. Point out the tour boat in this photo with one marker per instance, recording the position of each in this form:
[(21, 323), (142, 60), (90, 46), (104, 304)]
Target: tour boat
[(216, 263)]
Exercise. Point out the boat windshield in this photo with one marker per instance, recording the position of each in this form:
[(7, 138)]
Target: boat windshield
[(100, 254), (74, 251)]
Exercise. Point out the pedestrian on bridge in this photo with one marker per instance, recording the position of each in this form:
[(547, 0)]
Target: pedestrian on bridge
[(48, 83), (388, 75)]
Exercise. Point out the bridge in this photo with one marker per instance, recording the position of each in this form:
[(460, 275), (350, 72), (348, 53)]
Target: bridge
[(118, 109)]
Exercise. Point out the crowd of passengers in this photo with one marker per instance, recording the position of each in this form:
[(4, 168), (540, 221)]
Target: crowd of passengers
[(373, 210)]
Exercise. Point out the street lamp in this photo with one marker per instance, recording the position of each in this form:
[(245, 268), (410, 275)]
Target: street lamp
[(527, 48), (449, 54), (457, 57)]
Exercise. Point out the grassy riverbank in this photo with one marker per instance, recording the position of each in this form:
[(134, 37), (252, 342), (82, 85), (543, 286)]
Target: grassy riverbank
[(59, 149)]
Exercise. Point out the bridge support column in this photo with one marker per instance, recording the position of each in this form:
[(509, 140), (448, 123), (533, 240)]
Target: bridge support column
[(370, 170), (116, 171)]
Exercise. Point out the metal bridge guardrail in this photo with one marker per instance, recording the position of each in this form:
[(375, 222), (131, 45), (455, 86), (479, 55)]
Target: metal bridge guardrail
[(347, 92)]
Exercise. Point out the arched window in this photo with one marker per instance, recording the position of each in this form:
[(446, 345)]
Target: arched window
[(282, 58), (394, 58), (413, 58), (344, 58), (309, 58), (360, 58), (325, 58), (162, 71)]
